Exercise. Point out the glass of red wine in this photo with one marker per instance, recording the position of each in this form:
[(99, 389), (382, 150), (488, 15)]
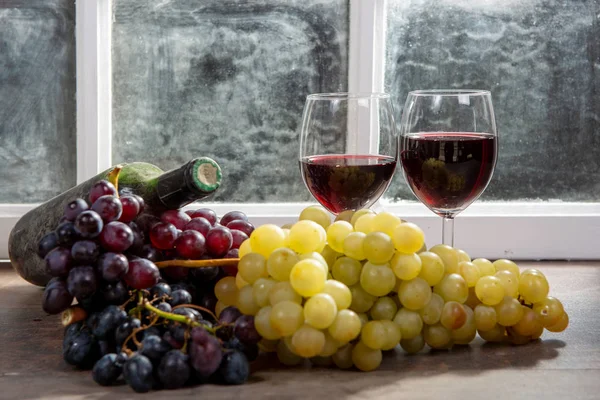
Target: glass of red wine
[(348, 148), (448, 149)]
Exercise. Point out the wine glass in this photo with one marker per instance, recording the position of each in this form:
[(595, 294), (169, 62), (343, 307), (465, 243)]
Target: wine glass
[(348, 148), (448, 149)]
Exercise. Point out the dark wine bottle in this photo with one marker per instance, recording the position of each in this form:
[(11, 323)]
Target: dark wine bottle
[(160, 190)]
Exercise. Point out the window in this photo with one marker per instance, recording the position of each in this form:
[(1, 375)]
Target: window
[(166, 81)]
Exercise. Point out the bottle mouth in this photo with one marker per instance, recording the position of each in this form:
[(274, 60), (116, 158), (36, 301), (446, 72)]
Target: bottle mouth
[(206, 174)]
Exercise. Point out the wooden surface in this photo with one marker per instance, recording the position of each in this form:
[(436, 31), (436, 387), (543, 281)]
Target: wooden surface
[(561, 366)]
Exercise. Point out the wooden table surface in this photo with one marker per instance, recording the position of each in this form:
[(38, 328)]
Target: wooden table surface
[(561, 366)]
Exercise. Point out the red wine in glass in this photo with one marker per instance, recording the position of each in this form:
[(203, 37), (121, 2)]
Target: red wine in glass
[(347, 182), (448, 171)]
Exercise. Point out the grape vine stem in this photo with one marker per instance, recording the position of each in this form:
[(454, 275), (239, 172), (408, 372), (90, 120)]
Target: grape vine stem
[(220, 262)]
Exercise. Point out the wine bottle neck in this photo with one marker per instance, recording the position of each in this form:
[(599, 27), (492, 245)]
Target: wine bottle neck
[(193, 181)]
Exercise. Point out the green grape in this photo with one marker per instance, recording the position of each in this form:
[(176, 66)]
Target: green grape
[(268, 346), (336, 233), (431, 313), (330, 255), (504, 264), (392, 335), (320, 311), (497, 334), (466, 333), (307, 236), (528, 324), (378, 247), (453, 315), (365, 358), (339, 292), (409, 322), (245, 248), (240, 282), (485, 266), (287, 317), (385, 222), (253, 266), (463, 256), (437, 337), (414, 345), (361, 300), (353, 245), (343, 357), (346, 270), (345, 216), (514, 338), (281, 262), (414, 294), (308, 277), (283, 291), (345, 327), (360, 213), (316, 214), (561, 324), (472, 300), (262, 323), (432, 268), (549, 311), (509, 281), (287, 356), (452, 288), (377, 280), (220, 306), (364, 223), (406, 266), (308, 341), (448, 256), (373, 335), (469, 272), (509, 311), (266, 238), (489, 290), (226, 291), (384, 309), (364, 318), (261, 289), (245, 302), (408, 238), (331, 346), (317, 257), (533, 286), (485, 317)]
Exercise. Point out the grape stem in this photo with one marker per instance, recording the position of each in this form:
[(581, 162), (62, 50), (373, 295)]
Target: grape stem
[(206, 310), (174, 317), (220, 262)]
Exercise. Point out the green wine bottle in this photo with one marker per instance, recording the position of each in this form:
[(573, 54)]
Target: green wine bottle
[(160, 190)]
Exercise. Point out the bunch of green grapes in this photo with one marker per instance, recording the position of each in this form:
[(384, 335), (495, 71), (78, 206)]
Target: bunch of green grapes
[(343, 292)]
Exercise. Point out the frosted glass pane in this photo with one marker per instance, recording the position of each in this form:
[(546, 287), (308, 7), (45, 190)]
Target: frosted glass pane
[(540, 59), (226, 80), (37, 99)]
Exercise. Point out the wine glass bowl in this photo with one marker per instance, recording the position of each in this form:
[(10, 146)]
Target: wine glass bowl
[(348, 148), (448, 149)]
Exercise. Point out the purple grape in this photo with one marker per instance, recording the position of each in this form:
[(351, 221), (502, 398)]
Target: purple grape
[(82, 282), (46, 244), (142, 274), (100, 189), (137, 372), (234, 368), (160, 290), (163, 235), (175, 217), (116, 237), (233, 216), (229, 315), (85, 252), (88, 224), (199, 224), (191, 245), (175, 274), (74, 208), (150, 253), (131, 208), (56, 297), (141, 202), (218, 241), (245, 331), (58, 262), (108, 207), (238, 238), (205, 352), (115, 293), (179, 297), (66, 233), (174, 369), (113, 266), (207, 213)]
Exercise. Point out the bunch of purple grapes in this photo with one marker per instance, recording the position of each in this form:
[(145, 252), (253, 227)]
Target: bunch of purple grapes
[(100, 257)]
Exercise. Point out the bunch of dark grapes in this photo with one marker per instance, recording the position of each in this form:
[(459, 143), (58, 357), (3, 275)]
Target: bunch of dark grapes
[(131, 321)]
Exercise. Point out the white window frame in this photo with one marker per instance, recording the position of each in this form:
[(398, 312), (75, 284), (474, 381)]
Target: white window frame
[(525, 230)]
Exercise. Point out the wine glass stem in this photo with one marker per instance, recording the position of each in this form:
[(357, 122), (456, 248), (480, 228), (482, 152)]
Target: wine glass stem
[(448, 231)]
